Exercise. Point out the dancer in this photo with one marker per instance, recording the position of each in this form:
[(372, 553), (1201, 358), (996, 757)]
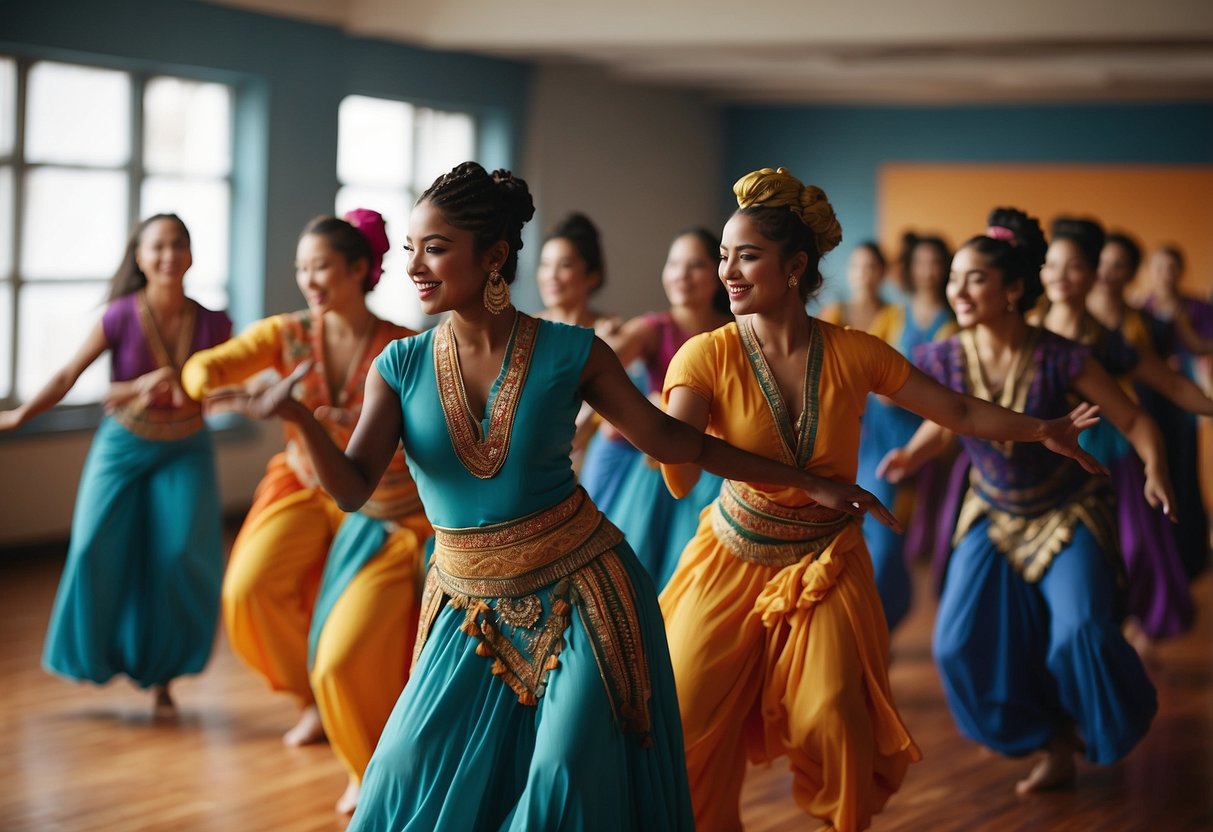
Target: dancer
[(629, 489), (1188, 333), (274, 619), (140, 589), (1027, 636), (1158, 601), (865, 275), (776, 631), (530, 584), (922, 318)]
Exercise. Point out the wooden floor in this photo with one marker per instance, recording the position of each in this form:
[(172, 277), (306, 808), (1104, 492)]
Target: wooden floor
[(75, 757)]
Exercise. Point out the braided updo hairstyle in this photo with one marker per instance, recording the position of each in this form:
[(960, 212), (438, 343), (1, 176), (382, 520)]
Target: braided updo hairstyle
[(493, 206), (797, 216), (1017, 249)]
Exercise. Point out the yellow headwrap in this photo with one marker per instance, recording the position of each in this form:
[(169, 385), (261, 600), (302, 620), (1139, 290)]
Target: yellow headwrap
[(768, 188)]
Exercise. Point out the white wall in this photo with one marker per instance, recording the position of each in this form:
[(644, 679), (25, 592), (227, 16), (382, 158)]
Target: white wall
[(641, 162), (39, 475)]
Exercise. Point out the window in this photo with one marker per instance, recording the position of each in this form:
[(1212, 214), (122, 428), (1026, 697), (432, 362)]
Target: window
[(85, 153), (388, 153)]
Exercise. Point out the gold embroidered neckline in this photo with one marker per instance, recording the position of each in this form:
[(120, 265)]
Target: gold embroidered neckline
[(1014, 393), (155, 343), (483, 455), (799, 437)]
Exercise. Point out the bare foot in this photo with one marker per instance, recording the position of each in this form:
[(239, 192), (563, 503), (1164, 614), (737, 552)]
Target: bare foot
[(349, 800), (1055, 771), (163, 706), (307, 731)]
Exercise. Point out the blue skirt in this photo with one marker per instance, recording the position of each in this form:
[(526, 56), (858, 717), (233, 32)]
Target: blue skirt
[(461, 752), (139, 593), (1022, 663)]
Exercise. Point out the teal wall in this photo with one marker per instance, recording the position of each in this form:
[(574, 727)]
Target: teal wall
[(290, 78), (842, 148)]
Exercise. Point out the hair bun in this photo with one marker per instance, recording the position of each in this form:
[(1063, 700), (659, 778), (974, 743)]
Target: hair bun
[(371, 225), (776, 188), (516, 196)]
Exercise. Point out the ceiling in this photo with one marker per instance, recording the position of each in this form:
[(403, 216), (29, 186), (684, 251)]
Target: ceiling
[(818, 51)]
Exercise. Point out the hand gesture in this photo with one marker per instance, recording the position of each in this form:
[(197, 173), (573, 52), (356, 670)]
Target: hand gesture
[(11, 419), (851, 499), (1158, 494), (274, 400), (1061, 436), (896, 466)]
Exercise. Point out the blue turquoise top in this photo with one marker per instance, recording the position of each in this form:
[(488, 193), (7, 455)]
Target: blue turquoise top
[(536, 472)]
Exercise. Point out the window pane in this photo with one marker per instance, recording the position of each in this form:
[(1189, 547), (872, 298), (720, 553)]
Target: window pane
[(205, 208), (6, 339), (75, 223), (443, 141), (6, 223), (77, 115), (52, 322), (395, 298), (374, 142), (187, 127), (8, 105)]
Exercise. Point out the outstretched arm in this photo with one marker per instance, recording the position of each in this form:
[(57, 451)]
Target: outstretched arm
[(1154, 372), (928, 442), (60, 383), (351, 476), (608, 390), (1095, 384), (972, 416)]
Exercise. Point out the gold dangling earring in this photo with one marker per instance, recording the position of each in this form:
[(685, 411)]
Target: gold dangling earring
[(792, 281), (496, 293)]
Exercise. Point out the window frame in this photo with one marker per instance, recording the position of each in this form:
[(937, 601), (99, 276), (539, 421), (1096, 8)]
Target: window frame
[(87, 415)]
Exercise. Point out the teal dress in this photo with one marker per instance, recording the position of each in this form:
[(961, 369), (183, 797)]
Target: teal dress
[(461, 751)]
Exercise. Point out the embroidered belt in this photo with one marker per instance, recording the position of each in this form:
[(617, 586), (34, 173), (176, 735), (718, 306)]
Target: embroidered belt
[(501, 576), (759, 530), (157, 424), (1031, 541)]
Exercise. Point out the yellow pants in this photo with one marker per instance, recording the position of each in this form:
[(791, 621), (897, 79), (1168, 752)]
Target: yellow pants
[(366, 647), (778, 661), (271, 584)]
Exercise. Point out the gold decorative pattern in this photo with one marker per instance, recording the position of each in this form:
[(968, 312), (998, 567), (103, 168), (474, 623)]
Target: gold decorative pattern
[(758, 530), (163, 424), (799, 438), (1030, 542), (566, 553), (1015, 387), (481, 455)]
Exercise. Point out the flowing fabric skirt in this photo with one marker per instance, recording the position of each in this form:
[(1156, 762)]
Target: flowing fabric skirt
[(363, 626), (1022, 663), (140, 589), (772, 661), (461, 752), (884, 428), (273, 577)]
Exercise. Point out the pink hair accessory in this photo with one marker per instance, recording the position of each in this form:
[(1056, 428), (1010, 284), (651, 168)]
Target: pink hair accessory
[(998, 232), (370, 225)]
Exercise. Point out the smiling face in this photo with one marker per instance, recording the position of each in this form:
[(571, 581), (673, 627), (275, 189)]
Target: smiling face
[(689, 276), (563, 279), (443, 263), (163, 253), (1066, 274), (754, 271), (976, 291), (327, 280)]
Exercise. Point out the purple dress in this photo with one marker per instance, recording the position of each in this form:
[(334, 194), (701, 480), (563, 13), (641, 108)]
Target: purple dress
[(139, 594), (1027, 635)]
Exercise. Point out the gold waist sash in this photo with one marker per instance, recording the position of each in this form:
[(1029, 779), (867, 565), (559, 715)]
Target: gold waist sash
[(160, 424), (1031, 541), (525, 577), (759, 530)]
